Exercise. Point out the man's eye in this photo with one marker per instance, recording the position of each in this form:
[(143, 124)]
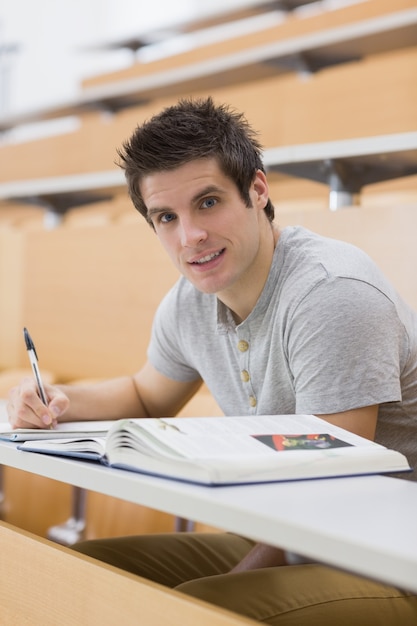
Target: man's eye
[(208, 203), (165, 218)]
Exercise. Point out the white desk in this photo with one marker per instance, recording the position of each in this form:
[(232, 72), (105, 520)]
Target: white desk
[(347, 166), (366, 525)]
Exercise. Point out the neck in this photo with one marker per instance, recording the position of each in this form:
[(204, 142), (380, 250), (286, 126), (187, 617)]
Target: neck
[(242, 298)]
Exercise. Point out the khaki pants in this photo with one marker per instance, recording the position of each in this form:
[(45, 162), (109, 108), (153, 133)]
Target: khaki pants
[(198, 564)]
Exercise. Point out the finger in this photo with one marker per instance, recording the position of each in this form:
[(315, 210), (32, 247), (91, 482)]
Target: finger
[(58, 402), (30, 400), (26, 409)]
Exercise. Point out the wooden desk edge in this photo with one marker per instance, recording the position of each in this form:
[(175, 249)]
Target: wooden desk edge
[(45, 583)]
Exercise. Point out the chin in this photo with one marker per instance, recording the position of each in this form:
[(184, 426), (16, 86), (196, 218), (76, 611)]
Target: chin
[(207, 287)]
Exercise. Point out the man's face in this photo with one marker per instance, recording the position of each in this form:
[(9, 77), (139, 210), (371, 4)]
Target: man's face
[(209, 233)]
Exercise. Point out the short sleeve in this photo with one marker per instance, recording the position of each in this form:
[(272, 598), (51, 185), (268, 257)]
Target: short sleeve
[(344, 348)]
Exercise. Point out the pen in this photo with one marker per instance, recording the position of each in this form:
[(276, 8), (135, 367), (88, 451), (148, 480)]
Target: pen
[(33, 358)]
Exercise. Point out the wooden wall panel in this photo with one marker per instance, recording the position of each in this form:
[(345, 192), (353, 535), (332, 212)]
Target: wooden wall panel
[(11, 297), (34, 503), (387, 234), (90, 296), (374, 97), (110, 517)]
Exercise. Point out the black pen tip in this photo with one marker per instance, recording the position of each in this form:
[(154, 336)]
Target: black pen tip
[(28, 340)]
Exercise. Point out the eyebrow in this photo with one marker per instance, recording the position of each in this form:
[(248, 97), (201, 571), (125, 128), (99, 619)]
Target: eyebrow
[(206, 192), (152, 212)]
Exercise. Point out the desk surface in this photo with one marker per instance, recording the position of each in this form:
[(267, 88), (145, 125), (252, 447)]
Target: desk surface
[(365, 525)]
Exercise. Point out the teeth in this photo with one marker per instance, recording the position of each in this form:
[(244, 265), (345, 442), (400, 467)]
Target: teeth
[(207, 258)]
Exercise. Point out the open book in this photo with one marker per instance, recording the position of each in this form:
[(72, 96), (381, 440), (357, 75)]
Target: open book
[(231, 450)]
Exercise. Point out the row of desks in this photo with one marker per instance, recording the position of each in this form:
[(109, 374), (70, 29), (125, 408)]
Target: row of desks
[(345, 166)]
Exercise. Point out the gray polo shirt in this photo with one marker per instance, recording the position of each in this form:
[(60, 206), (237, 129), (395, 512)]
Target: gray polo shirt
[(328, 334)]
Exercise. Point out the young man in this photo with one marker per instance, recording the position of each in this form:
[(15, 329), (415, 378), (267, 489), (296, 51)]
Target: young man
[(272, 321)]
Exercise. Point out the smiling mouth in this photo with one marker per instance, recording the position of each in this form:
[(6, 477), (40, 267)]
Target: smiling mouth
[(208, 258)]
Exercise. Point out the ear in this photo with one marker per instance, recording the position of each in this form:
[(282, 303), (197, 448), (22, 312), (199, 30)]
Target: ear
[(261, 189)]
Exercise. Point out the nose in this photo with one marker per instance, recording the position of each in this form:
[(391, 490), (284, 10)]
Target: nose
[(192, 233)]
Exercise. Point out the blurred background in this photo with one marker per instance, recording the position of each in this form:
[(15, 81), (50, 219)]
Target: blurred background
[(331, 86), (48, 47)]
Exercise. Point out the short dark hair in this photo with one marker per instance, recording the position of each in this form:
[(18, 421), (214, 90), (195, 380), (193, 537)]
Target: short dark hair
[(193, 129)]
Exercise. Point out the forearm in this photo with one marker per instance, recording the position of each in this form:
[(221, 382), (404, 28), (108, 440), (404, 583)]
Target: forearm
[(261, 556), (113, 399), (146, 394)]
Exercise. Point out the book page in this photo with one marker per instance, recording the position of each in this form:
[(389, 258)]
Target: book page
[(237, 450), (240, 437), (88, 447)]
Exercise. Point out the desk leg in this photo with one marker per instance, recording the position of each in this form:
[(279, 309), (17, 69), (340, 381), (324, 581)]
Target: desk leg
[(73, 529), (183, 525)]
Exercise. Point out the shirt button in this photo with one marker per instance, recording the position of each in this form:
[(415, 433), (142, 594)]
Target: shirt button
[(252, 401), (244, 376), (243, 345)]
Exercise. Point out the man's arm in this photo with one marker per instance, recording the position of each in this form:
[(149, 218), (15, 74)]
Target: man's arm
[(359, 421), (146, 394)]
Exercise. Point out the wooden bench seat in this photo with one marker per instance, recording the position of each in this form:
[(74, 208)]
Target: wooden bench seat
[(74, 589)]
